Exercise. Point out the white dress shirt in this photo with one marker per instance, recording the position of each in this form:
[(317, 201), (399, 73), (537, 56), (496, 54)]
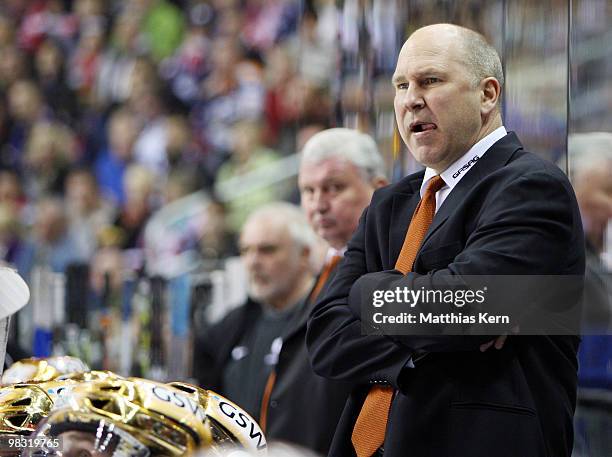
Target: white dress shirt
[(458, 169)]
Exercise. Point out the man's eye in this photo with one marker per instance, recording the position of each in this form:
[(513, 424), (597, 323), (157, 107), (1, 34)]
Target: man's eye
[(268, 249), (431, 80), (401, 86)]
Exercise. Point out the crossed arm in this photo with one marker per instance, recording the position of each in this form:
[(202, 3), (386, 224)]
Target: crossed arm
[(525, 231)]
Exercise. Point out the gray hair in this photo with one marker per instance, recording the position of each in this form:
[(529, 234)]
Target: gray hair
[(292, 217), (588, 151), (358, 148), (480, 57)]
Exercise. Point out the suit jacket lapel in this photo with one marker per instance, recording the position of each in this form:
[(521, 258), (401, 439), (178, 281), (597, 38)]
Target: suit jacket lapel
[(497, 156)]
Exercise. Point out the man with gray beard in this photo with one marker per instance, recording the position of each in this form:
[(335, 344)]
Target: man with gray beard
[(237, 355)]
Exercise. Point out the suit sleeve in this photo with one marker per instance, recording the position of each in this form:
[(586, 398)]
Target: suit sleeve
[(337, 348)]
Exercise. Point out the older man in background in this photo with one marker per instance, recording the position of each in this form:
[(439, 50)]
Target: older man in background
[(590, 159), (236, 356), (340, 169)]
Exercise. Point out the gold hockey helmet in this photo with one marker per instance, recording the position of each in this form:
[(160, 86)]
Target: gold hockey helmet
[(42, 369), (22, 406), (229, 424), (119, 417)]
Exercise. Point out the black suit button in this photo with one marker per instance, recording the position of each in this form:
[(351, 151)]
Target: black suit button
[(273, 404)]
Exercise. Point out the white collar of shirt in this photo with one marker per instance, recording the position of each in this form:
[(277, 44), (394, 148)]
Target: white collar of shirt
[(332, 252), (458, 169)]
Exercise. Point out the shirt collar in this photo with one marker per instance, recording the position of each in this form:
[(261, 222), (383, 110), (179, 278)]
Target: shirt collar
[(332, 252), (458, 169)]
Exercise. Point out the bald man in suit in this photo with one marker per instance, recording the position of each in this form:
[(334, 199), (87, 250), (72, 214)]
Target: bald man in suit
[(496, 210)]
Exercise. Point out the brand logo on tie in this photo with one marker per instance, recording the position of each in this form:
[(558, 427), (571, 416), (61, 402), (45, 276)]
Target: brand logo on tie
[(471, 162)]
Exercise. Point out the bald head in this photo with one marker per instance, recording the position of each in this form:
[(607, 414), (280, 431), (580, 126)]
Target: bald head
[(447, 88), (276, 246), (473, 50)]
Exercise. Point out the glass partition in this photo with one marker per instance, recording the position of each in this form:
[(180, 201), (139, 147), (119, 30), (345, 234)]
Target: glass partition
[(532, 40), (535, 48)]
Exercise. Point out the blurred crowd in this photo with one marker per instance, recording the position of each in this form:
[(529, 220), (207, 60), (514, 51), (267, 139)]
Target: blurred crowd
[(113, 112)]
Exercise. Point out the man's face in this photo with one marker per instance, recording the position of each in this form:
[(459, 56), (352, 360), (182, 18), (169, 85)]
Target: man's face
[(334, 193), (594, 194), (273, 261), (437, 107)]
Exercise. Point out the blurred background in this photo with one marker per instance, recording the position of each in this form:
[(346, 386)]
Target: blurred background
[(137, 135)]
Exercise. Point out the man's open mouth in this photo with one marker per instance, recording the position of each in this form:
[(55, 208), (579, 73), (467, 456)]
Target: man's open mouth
[(418, 127)]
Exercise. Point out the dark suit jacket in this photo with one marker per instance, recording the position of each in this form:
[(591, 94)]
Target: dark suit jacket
[(511, 214)]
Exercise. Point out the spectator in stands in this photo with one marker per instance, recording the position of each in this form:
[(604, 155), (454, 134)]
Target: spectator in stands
[(255, 163), (315, 57), (111, 164), (11, 190), (13, 66), (236, 356), (151, 145), (268, 22), (185, 70), (54, 248), (117, 61), (227, 97), (281, 110), (87, 211), (13, 247), (26, 107), (85, 60), (181, 150), (217, 242), (50, 151), (163, 27), (7, 31), (138, 184), (51, 77)]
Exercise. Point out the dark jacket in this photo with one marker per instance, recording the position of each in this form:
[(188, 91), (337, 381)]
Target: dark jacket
[(304, 407), (212, 349), (512, 214)]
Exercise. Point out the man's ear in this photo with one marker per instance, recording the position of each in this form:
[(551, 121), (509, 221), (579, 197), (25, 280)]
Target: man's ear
[(490, 93), (305, 254), (379, 182)]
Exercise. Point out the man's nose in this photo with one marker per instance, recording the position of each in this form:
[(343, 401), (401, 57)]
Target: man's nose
[(320, 201), (413, 98)]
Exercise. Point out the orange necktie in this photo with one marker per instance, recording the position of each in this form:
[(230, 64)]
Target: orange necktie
[(316, 290), (371, 425), (323, 277)]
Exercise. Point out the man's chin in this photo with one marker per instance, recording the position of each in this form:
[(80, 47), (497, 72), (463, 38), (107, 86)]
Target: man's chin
[(327, 233), (259, 294)]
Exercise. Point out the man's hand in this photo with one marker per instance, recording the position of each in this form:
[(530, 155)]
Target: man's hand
[(499, 341)]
